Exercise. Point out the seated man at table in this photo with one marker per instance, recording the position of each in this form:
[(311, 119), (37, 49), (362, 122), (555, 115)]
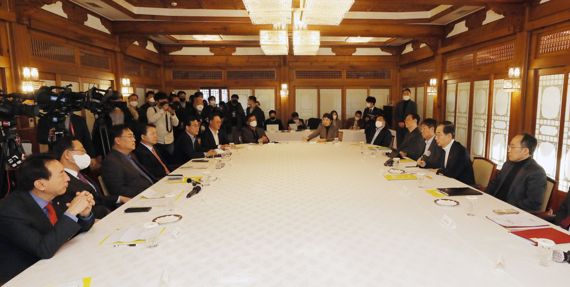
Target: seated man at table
[(379, 134), (146, 152), (251, 133), (273, 120), (188, 145), (122, 173), (213, 137), (296, 121), (413, 144), (431, 158), (74, 158), (563, 213), (522, 181), (455, 161), (31, 226), (355, 123), (325, 131)]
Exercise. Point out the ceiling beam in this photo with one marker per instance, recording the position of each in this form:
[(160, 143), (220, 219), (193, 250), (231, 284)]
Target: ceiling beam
[(195, 28), (460, 2), (328, 44)]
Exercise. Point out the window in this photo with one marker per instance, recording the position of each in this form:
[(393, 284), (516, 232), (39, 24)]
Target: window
[(355, 101), (306, 103), (564, 175), (450, 102), (331, 99), (462, 113), (420, 99), (221, 94), (500, 115), (479, 125)]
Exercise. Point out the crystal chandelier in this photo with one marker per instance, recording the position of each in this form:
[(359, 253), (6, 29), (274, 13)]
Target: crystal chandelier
[(325, 12), (274, 42), (306, 42)]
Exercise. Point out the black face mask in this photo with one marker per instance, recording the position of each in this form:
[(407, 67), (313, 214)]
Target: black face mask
[(272, 117), (234, 102)]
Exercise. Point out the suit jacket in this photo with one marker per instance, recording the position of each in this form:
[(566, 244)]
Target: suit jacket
[(322, 133), (436, 157), (121, 178), (413, 145), (458, 164), (563, 213), (259, 115), (384, 138), (400, 113), (370, 115), (208, 142), (185, 150), (26, 234), (350, 123), (149, 162), (527, 190), (247, 135), (80, 132), (103, 204)]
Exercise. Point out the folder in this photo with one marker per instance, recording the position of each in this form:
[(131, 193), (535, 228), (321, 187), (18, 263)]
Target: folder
[(549, 233)]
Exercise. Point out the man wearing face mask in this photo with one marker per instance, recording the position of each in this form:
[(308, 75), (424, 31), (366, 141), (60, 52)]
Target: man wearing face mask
[(252, 133), (196, 109), (72, 156), (404, 107), (133, 102), (149, 102), (273, 120), (379, 135), (254, 109), (236, 117), (176, 105), (355, 123), (165, 120), (211, 108), (371, 112)]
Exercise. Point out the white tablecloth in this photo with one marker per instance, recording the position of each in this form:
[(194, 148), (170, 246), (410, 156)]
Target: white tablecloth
[(348, 135), (302, 214)]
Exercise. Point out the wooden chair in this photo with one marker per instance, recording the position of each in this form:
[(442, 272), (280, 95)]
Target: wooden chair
[(484, 171), (546, 211), (103, 186)]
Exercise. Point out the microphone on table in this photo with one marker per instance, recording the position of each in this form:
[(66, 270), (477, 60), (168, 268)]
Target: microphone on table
[(193, 182), (194, 191), (560, 256)]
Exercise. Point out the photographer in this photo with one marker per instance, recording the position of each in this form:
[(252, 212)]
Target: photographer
[(164, 118)]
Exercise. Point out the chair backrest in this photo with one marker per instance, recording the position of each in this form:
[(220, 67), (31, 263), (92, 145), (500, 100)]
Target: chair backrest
[(483, 170), (313, 123), (103, 186), (548, 193)]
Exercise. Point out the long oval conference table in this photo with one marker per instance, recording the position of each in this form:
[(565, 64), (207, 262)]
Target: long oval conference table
[(302, 214)]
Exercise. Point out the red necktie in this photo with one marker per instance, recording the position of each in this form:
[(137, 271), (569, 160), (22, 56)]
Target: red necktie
[(71, 129), (51, 213), (159, 160)]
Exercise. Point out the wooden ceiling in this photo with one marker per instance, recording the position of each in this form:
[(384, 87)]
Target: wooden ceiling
[(394, 21)]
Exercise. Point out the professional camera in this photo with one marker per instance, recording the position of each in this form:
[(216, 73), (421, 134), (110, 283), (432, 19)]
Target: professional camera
[(13, 105)]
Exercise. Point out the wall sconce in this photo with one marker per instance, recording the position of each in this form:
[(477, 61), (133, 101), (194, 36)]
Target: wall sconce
[(513, 83), (126, 89), (284, 90), (432, 88), (30, 76)]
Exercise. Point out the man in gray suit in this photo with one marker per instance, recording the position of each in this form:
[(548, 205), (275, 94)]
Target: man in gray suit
[(326, 131), (252, 133), (521, 182)]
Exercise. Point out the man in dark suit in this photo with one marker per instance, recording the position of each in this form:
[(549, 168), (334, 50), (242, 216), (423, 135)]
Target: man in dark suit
[(403, 108), (379, 134), (371, 112), (563, 213), (72, 156), (188, 145), (213, 137), (236, 117), (355, 123), (31, 226), (251, 133), (149, 102), (522, 181), (195, 109), (254, 109), (455, 162), (432, 156), (146, 153), (413, 144), (273, 120), (122, 173)]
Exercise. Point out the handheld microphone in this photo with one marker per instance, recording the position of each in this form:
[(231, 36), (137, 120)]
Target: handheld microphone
[(194, 191), (560, 256)]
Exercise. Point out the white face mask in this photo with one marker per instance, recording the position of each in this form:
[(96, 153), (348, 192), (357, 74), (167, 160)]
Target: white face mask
[(253, 124), (134, 104), (199, 107), (82, 161), (406, 98), (379, 124), (151, 100)]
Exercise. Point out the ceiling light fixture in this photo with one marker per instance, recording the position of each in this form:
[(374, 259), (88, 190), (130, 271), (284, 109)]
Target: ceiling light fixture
[(269, 11), (274, 42), (358, 39)]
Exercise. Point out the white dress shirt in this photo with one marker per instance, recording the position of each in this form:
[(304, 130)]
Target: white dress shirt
[(164, 122), (216, 137), (447, 149), (428, 144)]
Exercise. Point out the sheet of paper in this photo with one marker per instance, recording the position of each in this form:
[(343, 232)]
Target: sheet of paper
[(517, 220)]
